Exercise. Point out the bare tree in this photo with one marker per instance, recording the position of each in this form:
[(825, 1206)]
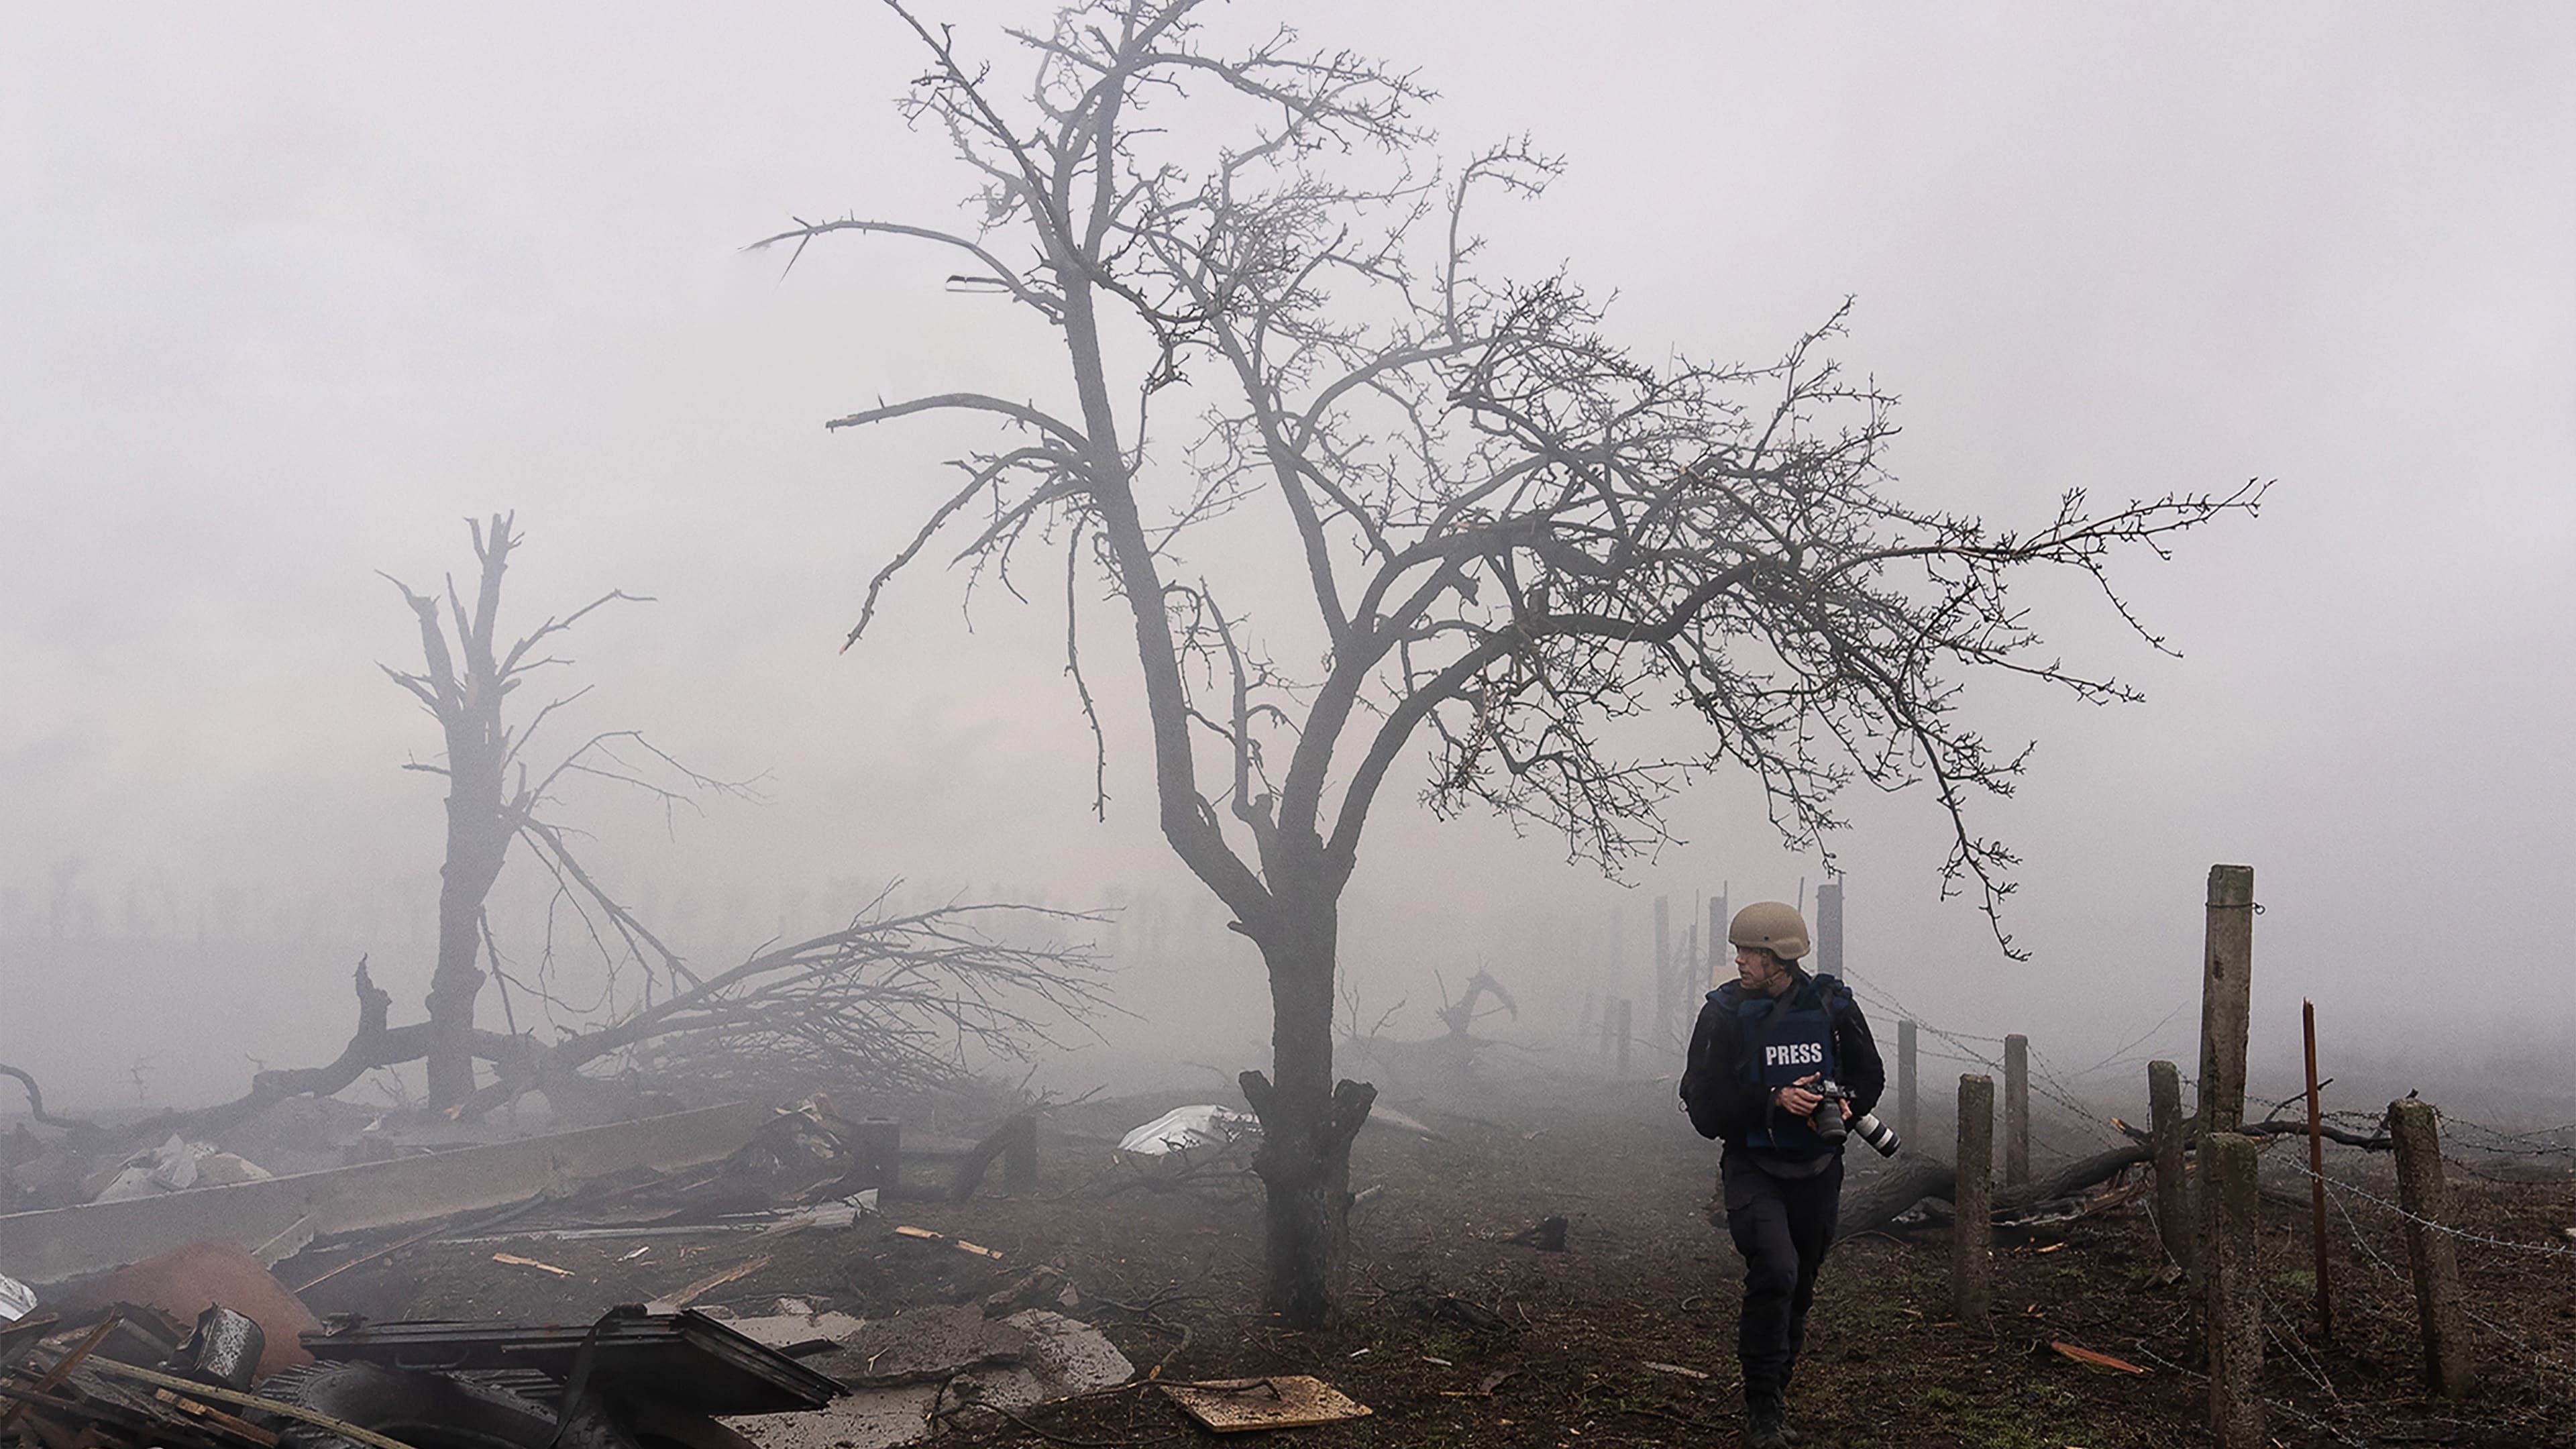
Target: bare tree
[(1513, 534), (494, 798)]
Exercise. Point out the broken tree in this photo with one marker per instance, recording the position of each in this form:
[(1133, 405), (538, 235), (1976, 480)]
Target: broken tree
[(1507, 532), (492, 798)]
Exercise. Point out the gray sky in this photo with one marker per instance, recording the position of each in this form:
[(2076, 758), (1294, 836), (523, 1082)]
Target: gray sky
[(290, 290)]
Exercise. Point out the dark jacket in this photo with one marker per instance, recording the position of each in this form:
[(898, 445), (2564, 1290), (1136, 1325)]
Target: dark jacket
[(1723, 1086)]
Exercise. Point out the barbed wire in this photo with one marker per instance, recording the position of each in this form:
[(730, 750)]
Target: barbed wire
[(2379, 1261), (2546, 1250)]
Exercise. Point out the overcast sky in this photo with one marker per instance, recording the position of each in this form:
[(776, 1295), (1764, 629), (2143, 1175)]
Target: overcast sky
[(286, 292)]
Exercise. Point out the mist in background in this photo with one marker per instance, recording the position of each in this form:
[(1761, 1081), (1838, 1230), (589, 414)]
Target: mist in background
[(291, 291)]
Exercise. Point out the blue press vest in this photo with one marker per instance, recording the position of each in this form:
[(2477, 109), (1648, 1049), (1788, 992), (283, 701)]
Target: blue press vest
[(1798, 1043)]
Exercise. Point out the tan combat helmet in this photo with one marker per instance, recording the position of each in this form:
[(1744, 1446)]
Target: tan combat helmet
[(1773, 926)]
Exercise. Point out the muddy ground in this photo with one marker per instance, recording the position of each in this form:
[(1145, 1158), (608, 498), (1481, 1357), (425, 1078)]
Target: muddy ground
[(1457, 1333)]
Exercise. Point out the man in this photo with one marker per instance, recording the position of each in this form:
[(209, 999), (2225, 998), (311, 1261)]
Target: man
[(1764, 1042)]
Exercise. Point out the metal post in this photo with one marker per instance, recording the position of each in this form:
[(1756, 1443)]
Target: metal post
[(1627, 1033), (1972, 1229), (1663, 1018), (2016, 1110), (2317, 1176)]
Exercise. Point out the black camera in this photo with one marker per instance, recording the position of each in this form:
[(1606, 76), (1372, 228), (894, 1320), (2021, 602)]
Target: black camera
[(1833, 1124)]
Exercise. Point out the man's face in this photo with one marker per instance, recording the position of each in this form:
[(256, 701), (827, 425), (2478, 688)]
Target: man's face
[(1756, 968)]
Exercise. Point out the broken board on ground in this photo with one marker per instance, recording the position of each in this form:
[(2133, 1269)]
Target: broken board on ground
[(1280, 1401)]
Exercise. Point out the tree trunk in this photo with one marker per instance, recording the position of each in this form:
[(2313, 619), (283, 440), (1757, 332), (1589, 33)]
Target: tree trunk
[(478, 837), (1307, 1120)]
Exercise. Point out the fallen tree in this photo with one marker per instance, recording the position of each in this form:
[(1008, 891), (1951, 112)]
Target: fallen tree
[(890, 1004), (1877, 1201)]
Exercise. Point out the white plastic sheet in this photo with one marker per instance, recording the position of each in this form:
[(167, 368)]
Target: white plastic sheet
[(1184, 1128)]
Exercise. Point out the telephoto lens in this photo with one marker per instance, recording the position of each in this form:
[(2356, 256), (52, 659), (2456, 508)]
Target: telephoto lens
[(1877, 1134)]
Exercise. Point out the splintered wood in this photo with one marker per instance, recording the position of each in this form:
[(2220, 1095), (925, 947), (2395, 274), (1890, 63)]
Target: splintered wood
[(1281, 1401)]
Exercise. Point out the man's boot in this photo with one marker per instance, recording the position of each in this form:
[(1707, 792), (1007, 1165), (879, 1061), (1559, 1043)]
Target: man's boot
[(1762, 1428)]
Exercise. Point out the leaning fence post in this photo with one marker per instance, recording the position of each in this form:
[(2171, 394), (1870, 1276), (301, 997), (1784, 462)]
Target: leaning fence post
[(2427, 1200), (2016, 1110), (1972, 1229), (2232, 1290), (2164, 1140), (1905, 1115)]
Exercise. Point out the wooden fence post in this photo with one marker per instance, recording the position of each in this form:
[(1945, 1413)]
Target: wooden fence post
[(2231, 1289), (2426, 1198), (1972, 1228), (2164, 1138), (2016, 1110), (1906, 1118)]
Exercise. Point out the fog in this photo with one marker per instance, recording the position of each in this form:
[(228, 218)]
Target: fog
[(291, 291)]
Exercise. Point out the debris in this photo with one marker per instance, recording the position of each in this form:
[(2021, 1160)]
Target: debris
[(960, 1244), (683, 1361), (1444, 1363), (297, 1237), (1548, 1236), (796, 1328), (53, 1244), (1185, 1128), (708, 1284), (17, 1300), (923, 1345), (1281, 1401), (515, 1261), (185, 1283), (638, 1253), (1672, 1368), (2053, 1247), (225, 1349), (2097, 1360), (1382, 1116)]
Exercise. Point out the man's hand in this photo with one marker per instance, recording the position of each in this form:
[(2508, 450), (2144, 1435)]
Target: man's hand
[(1795, 1099)]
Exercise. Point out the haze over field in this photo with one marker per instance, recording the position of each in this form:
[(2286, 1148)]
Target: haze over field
[(291, 291)]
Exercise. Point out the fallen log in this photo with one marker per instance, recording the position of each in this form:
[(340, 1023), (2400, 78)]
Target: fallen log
[(1882, 1198)]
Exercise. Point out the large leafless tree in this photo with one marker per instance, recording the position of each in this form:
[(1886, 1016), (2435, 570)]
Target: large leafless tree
[(1511, 532)]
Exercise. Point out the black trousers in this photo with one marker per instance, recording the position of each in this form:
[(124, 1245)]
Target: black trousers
[(1782, 1226)]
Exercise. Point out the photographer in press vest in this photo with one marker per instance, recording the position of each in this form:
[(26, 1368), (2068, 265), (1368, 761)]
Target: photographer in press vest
[(1782, 1069)]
